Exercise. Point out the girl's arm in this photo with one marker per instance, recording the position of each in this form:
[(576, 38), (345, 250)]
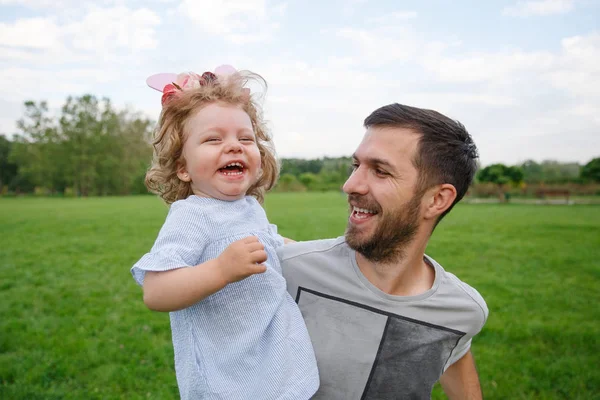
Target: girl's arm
[(180, 288)]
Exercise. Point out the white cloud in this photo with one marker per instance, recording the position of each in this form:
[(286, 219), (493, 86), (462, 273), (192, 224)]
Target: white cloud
[(27, 81), (501, 96), (239, 21), (539, 7), (585, 111), (399, 44), (305, 75), (577, 70), (52, 4), (573, 70), (10, 111), (319, 92), (393, 17), (500, 67), (351, 6), (36, 33), (59, 40), (112, 28), (448, 99), (57, 56), (383, 45), (34, 40), (223, 16)]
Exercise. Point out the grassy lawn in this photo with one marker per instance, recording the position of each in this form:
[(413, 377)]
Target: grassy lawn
[(73, 326)]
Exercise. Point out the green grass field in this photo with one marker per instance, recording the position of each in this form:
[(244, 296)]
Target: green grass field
[(73, 325)]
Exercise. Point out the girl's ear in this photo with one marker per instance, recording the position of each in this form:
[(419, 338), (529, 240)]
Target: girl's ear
[(182, 173)]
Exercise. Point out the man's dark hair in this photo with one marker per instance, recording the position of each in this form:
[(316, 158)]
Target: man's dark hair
[(446, 152)]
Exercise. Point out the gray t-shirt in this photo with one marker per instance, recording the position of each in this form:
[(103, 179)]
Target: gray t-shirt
[(372, 345)]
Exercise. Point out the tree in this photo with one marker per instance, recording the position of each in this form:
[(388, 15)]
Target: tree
[(289, 183), (309, 180), (8, 169), (92, 150), (36, 148), (550, 171), (532, 172), (591, 170), (83, 127), (501, 175), (297, 166), (107, 151)]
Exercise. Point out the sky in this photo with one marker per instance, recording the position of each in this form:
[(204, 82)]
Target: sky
[(522, 76)]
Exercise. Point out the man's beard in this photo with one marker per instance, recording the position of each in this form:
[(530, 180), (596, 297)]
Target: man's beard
[(394, 232)]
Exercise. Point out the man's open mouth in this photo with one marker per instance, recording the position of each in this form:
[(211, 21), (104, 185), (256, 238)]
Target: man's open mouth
[(362, 213)]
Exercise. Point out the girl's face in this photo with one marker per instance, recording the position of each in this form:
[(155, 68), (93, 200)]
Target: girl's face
[(221, 156)]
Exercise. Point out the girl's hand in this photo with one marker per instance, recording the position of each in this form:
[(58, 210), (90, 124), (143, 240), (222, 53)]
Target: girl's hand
[(242, 258)]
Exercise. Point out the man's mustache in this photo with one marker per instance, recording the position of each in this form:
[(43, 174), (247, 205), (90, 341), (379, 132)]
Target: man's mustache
[(363, 201)]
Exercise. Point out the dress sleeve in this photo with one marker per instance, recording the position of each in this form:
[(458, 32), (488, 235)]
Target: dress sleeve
[(278, 238), (179, 244)]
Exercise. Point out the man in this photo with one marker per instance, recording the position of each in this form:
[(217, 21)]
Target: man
[(387, 321)]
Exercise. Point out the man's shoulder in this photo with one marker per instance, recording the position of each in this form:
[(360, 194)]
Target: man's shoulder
[(299, 249), (464, 295), (468, 290)]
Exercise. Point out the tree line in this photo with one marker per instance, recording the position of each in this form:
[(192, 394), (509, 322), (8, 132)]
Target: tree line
[(91, 148)]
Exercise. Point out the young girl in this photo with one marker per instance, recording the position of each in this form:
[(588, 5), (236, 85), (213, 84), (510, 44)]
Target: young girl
[(237, 333)]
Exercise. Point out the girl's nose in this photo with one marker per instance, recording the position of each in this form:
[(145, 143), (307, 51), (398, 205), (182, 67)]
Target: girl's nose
[(233, 146)]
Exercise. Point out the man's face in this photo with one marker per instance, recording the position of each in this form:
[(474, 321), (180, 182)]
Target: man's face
[(384, 208)]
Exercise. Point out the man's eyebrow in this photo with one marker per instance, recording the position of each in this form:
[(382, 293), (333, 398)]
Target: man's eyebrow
[(374, 161)]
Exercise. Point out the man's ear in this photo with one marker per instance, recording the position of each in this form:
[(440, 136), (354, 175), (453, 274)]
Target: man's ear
[(439, 198), (182, 172)]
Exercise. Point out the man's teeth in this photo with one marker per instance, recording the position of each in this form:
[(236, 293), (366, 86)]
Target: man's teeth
[(363, 210)]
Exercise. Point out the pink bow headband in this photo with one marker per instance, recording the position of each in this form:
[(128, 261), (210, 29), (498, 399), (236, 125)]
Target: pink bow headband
[(170, 84)]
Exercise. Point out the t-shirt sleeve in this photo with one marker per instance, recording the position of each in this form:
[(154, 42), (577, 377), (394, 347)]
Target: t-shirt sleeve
[(179, 244), (464, 344), (479, 317)]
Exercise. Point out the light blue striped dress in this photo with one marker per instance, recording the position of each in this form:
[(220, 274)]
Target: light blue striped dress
[(247, 341)]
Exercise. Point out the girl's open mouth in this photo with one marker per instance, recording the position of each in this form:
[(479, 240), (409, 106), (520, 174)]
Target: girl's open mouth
[(233, 169)]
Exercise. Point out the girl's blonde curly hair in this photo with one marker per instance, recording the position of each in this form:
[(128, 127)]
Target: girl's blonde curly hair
[(169, 136)]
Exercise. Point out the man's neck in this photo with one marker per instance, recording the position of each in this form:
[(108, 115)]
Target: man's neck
[(408, 276)]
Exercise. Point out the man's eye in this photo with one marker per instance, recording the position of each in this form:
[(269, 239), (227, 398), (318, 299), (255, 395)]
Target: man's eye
[(354, 166), (381, 172)]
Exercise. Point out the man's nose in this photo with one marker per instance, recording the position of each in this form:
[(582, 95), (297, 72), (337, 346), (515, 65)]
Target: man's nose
[(357, 182)]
